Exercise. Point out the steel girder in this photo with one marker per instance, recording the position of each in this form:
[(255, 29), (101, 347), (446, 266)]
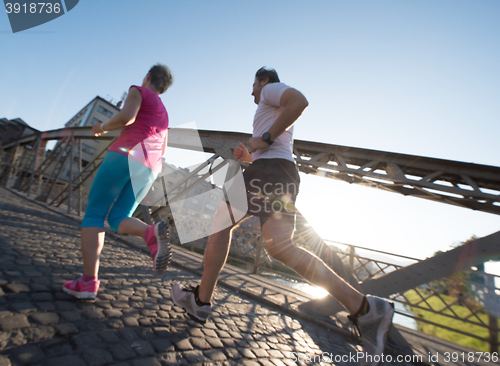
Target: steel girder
[(438, 266), (467, 185), (62, 133)]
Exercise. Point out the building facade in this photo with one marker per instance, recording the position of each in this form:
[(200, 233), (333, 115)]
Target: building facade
[(98, 110)]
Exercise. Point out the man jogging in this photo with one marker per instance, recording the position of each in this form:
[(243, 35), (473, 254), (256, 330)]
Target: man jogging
[(272, 184)]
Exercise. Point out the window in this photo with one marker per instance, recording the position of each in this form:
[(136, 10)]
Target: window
[(213, 197), (210, 207), (94, 121), (104, 111), (194, 201), (88, 149)]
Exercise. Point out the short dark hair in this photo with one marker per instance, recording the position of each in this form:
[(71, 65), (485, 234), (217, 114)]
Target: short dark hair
[(264, 73), (161, 77)]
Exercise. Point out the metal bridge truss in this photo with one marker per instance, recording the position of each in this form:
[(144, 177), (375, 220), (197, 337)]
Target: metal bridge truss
[(467, 185), (444, 285)]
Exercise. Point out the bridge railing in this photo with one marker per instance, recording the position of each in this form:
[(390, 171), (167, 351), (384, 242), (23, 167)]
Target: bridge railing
[(468, 297), (464, 305)]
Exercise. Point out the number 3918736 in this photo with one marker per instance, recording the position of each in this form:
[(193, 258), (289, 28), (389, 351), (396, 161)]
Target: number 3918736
[(33, 8)]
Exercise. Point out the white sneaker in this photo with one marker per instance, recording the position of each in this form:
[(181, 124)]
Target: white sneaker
[(373, 328), (184, 297)]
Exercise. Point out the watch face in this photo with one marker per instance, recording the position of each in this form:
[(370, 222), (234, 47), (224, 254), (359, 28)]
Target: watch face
[(266, 136)]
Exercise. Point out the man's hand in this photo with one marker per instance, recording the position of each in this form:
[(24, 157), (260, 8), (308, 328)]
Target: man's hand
[(256, 143), (241, 153), (97, 129)]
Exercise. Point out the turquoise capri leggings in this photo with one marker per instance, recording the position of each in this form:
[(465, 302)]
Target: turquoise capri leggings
[(117, 190)]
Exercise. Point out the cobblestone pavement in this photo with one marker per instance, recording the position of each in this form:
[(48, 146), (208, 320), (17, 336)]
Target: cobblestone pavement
[(133, 322)]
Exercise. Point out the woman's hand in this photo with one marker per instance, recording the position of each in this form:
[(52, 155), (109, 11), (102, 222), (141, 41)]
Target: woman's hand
[(241, 153), (97, 129)]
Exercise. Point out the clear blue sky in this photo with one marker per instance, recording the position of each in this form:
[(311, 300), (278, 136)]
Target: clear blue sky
[(416, 77)]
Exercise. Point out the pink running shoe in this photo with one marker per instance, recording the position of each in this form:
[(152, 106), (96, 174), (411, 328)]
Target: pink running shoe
[(157, 238), (81, 289)]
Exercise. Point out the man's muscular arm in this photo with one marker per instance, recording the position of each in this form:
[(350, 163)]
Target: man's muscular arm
[(293, 103)]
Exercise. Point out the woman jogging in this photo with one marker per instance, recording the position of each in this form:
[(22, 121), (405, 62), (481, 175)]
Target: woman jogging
[(125, 176)]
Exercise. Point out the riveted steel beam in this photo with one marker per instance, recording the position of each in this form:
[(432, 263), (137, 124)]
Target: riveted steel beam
[(467, 185)]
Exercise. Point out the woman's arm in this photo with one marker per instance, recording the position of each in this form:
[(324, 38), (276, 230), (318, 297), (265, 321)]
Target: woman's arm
[(164, 148), (125, 117)]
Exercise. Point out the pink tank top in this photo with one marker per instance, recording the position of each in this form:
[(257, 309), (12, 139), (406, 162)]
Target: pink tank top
[(143, 140)]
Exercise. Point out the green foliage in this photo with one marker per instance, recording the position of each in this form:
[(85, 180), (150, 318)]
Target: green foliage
[(461, 311)]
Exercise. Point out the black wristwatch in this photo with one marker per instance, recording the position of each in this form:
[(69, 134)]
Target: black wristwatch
[(266, 137)]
